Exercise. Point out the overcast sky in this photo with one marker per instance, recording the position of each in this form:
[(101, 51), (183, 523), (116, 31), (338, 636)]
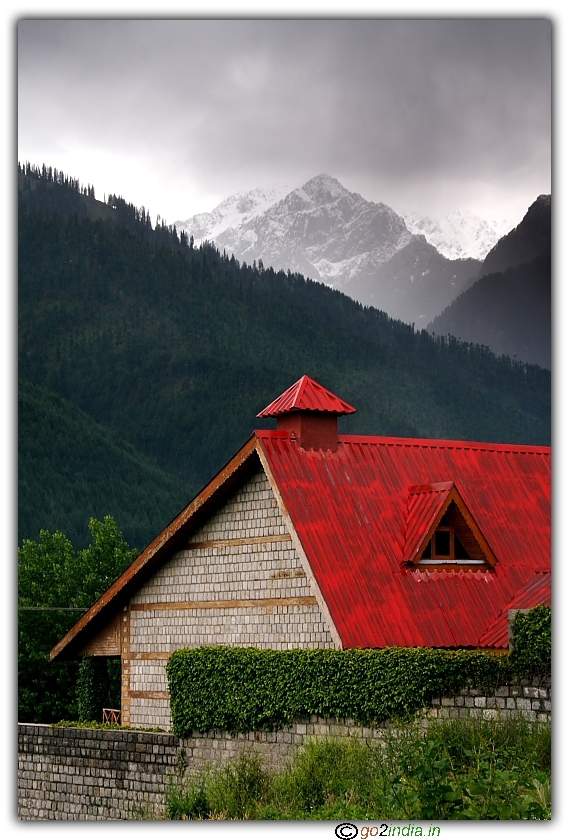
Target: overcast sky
[(427, 115)]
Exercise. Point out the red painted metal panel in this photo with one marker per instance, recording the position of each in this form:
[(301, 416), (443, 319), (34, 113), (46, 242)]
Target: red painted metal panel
[(307, 395), (423, 507), (350, 509), (537, 590)]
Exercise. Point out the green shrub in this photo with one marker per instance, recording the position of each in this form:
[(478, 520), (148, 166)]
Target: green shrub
[(468, 769), (92, 688), (238, 788), (531, 652), (243, 689), (463, 770), (188, 803), (328, 775)]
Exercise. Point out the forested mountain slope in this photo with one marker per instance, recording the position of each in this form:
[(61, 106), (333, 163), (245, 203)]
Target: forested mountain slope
[(509, 311), (524, 243), (509, 307), (71, 469), (176, 349)]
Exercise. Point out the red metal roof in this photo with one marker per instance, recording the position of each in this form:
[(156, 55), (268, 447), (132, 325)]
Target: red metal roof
[(307, 395), (537, 590), (350, 510)]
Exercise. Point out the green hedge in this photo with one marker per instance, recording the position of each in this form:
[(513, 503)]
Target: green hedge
[(243, 689), (531, 642)]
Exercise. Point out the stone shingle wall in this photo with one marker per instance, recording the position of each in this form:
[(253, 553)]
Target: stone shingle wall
[(93, 774), (233, 556), (238, 582)]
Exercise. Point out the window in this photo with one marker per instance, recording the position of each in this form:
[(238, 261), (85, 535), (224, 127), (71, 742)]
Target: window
[(445, 545)]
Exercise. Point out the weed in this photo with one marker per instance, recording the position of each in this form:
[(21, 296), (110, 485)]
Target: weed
[(454, 770)]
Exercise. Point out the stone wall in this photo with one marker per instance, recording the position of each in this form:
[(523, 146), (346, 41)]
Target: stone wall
[(239, 581), (531, 699), (93, 774)]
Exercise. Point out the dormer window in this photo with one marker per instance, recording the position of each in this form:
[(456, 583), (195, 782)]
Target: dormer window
[(441, 532), (445, 545)]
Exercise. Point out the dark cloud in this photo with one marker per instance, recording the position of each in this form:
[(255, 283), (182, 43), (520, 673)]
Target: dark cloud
[(389, 107)]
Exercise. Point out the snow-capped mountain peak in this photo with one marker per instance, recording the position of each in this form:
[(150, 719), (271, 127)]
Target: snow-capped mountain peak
[(459, 235), (320, 230), (323, 188), (232, 212), (327, 233), (321, 191)]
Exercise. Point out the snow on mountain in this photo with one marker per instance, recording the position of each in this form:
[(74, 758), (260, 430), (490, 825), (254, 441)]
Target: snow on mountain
[(459, 235), (230, 213), (329, 234), (321, 230), (501, 226)]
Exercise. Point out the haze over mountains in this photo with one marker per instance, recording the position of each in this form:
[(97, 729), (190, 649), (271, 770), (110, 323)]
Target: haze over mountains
[(411, 267), (508, 308), (336, 236)]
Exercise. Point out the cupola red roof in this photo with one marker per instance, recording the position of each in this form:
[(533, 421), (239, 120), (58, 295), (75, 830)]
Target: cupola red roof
[(307, 395)]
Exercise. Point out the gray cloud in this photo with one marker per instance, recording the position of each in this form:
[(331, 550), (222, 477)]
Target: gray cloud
[(432, 110)]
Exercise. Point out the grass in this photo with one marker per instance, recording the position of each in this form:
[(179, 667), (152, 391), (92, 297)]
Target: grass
[(464, 770), (93, 724)]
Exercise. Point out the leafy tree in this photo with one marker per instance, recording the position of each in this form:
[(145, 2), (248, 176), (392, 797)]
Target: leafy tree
[(104, 560), (92, 688), (55, 584)]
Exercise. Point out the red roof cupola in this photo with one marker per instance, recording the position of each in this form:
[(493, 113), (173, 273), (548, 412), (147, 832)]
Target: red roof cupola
[(311, 412)]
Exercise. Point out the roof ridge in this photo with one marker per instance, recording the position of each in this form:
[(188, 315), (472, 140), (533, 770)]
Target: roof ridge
[(431, 487), (301, 385), (440, 443), (528, 448)]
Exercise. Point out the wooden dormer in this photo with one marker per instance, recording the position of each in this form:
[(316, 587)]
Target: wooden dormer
[(441, 533)]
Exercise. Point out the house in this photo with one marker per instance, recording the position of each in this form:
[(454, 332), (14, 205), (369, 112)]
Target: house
[(308, 538)]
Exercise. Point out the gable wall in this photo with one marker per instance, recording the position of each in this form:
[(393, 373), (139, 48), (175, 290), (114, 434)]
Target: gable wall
[(239, 582), (107, 642)]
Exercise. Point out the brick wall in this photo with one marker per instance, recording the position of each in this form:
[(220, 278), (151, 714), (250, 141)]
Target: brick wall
[(238, 582), (85, 774)]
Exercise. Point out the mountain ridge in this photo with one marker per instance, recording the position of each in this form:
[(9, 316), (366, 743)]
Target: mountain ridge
[(527, 240), (508, 308), (337, 237)]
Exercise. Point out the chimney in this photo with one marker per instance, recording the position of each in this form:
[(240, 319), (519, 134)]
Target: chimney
[(311, 412)]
